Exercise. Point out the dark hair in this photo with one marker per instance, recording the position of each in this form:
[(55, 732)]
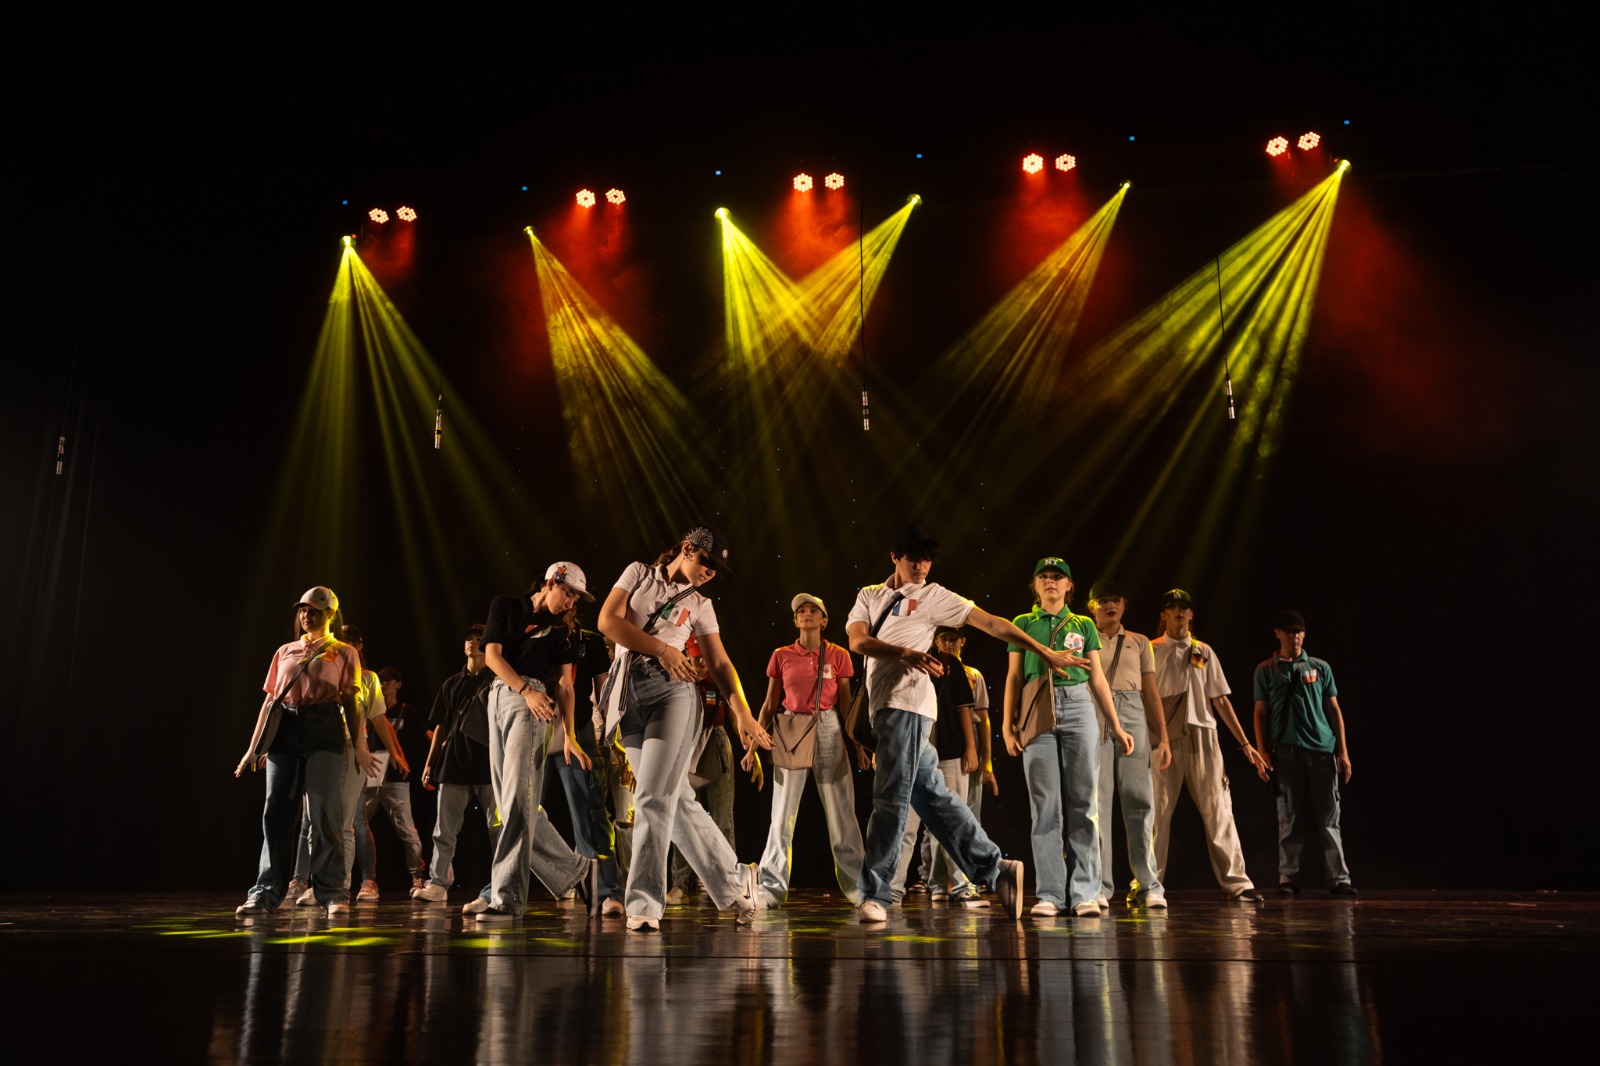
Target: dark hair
[(670, 554), (352, 636), (335, 622), (389, 673)]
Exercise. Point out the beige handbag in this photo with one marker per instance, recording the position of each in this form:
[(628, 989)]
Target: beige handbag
[(1037, 714), (794, 736)]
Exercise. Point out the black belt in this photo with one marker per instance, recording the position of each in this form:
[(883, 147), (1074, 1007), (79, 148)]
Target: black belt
[(311, 708)]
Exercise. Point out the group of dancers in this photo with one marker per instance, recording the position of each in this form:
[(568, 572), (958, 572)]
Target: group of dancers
[(1093, 710)]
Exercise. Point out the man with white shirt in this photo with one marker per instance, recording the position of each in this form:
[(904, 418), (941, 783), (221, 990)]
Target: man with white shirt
[(1194, 695), (892, 627)]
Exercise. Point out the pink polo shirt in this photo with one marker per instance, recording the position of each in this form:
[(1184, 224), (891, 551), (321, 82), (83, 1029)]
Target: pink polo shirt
[(797, 669), (336, 670)]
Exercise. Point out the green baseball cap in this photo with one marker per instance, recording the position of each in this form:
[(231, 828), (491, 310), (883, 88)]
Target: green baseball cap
[(1052, 562)]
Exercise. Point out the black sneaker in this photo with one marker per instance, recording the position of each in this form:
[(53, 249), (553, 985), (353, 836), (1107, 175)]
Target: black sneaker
[(1249, 895), (494, 914), (1344, 888), (1288, 888)]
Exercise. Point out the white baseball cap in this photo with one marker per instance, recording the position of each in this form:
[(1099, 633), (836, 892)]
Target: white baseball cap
[(570, 575)]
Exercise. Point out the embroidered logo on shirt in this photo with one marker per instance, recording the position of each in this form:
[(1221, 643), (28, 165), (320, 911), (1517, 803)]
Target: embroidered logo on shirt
[(827, 671), (673, 615), (1309, 677), (909, 605), (1197, 658), (1072, 642)]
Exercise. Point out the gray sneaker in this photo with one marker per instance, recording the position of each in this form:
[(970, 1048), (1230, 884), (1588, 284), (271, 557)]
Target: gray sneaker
[(1008, 888), (476, 906)]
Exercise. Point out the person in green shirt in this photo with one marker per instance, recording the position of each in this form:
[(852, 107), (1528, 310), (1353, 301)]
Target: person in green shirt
[(1062, 764)]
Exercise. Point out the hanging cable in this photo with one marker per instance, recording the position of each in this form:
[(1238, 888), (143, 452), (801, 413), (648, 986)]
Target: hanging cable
[(1222, 319)]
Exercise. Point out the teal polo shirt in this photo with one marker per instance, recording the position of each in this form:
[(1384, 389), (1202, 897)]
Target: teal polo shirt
[(1078, 636), (1295, 694)]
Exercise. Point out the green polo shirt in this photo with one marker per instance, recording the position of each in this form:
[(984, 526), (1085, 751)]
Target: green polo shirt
[(1295, 694), (1078, 636)]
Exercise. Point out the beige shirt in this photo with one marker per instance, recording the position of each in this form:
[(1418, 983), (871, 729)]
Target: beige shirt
[(1136, 660)]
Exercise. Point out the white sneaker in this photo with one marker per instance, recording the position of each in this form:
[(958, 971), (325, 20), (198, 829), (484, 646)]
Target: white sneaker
[(1103, 903), (675, 897), (477, 906), (749, 903), (368, 893), (611, 908), (338, 909), (308, 898), (872, 911), (1155, 901), (252, 908), (1044, 909), (643, 923), (430, 893), (296, 888), (1087, 909), (970, 900)]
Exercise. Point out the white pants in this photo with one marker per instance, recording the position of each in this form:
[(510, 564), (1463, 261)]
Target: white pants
[(832, 771), (1197, 763)]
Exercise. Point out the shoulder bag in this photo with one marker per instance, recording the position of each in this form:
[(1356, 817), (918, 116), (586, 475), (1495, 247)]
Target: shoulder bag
[(794, 736), (1037, 713), (858, 722), (269, 732)]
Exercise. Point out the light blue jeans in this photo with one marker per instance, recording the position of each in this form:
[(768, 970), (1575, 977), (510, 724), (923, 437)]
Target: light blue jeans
[(518, 744), (831, 769), (1061, 767), (908, 779), (453, 803), (936, 866), (659, 730), (395, 799), (1135, 787)]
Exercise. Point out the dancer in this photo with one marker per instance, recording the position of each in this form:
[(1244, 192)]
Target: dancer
[(892, 626), (316, 677), (1298, 720), (807, 682), (1061, 764), (650, 614)]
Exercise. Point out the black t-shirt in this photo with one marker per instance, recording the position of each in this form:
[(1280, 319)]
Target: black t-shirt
[(954, 691), (535, 643), (592, 660), (465, 761), (413, 735)]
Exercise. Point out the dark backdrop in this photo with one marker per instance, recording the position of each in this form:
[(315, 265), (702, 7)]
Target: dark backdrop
[(173, 215)]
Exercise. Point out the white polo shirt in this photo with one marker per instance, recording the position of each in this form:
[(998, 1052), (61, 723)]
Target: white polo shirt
[(911, 624), (1189, 668)]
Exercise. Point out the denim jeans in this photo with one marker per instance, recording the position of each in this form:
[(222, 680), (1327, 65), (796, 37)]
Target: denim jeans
[(936, 866), (831, 769), (518, 745), (1134, 786), (659, 728), (453, 803), (395, 798), (716, 796), (1061, 769), (908, 779), (300, 764), (355, 812), (592, 834), (1307, 784)]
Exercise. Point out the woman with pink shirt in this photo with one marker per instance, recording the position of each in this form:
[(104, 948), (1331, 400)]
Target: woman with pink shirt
[(316, 676)]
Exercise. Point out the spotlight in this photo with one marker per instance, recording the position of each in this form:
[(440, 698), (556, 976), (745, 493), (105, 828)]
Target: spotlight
[(722, 213), (1309, 141), (528, 230), (802, 183), (1344, 164), (1127, 185), (585, 198), (1277, 146), (834, 180), (1066, 162), (406, 214), (347, 241), (378, 215), (614, 196), (1032, 163), (914, 200)]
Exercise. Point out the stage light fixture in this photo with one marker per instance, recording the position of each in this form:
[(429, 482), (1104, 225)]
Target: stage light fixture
[(802, 183), (834, 180), (1344, 164), (914, 200), (1309, 141), (615, 196), (1066, 162), (528, 230), (347, 240), (406, 214), (585, 198), (378, 215), (722, 213), (1277, 146), (1032, 163)]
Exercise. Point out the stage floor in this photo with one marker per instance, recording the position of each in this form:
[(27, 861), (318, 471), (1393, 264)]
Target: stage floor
[(1401, 978)]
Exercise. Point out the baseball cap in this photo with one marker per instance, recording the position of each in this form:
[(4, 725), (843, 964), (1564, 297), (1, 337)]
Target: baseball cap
[(570, 575)]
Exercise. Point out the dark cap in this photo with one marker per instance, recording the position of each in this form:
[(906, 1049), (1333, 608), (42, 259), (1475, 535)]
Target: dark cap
[(1290, 620), (1051, 562), (389, 673), (1178, 597), (949, 631), (1106, 589), (710, 540), (912, 537)]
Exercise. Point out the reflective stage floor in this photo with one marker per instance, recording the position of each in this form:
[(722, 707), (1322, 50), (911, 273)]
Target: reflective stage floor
[(1401, 978)]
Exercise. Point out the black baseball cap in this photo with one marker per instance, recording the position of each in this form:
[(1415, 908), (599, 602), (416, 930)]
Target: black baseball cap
[(913, 537), (1178, 597), (1290, 620), (1106, 589), (711, 540)]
